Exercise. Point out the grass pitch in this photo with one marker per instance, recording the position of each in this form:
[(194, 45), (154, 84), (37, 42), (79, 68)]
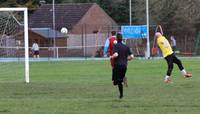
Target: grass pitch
[(85, 87)]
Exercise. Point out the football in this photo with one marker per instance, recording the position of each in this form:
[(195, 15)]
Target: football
[(64, 30), (115, 42)]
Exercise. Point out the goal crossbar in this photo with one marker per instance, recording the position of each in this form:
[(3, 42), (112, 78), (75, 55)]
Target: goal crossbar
[(13, 9)]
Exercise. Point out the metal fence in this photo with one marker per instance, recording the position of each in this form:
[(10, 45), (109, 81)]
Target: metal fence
[(92, 44)]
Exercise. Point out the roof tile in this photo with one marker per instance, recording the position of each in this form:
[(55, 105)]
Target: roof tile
[(66, 14)]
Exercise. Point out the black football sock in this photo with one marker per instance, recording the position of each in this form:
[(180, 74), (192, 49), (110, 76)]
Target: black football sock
[(120, 86)]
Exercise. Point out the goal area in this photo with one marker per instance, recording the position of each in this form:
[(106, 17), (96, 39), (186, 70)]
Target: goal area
[(14, 51)]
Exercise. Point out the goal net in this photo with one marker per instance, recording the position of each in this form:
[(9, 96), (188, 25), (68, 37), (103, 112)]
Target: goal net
[(14, 63)]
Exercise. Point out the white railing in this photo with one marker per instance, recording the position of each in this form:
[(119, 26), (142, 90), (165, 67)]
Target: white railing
[(60, 51)]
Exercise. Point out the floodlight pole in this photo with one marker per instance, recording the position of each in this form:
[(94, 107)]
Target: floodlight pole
[(54, 35), (147, 19), (130, 15), (130, 12)]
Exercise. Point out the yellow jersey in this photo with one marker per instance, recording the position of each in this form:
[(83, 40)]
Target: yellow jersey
[(164, 45)]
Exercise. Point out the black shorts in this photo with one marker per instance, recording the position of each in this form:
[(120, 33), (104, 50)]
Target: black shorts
[(119, 73), (36, 52)]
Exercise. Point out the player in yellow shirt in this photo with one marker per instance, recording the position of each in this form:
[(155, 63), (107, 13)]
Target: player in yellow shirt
[(170, 57)]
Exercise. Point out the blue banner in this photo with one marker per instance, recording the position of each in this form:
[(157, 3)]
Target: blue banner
[(134, 31)]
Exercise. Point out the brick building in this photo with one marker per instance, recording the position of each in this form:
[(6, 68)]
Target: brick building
[(73, 16), (83, 20)]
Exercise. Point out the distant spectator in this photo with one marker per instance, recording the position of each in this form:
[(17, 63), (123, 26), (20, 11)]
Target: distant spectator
[(106, 46), (35, 50), (99, 52), (173, 43)]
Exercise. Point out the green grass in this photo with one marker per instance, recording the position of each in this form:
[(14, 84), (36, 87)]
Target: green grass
[(85, 87)]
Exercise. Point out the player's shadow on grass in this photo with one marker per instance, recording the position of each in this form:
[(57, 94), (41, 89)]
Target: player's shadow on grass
[(120, 106), (117, 104), (4, 111)]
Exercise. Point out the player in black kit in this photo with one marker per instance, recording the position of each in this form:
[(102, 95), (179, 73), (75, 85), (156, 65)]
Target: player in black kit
[(121, 55)]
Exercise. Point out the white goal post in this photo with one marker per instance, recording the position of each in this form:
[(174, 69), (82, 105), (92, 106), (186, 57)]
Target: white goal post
[(26, 42)]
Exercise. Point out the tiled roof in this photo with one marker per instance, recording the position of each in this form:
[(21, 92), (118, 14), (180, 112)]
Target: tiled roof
[(65, 14)]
